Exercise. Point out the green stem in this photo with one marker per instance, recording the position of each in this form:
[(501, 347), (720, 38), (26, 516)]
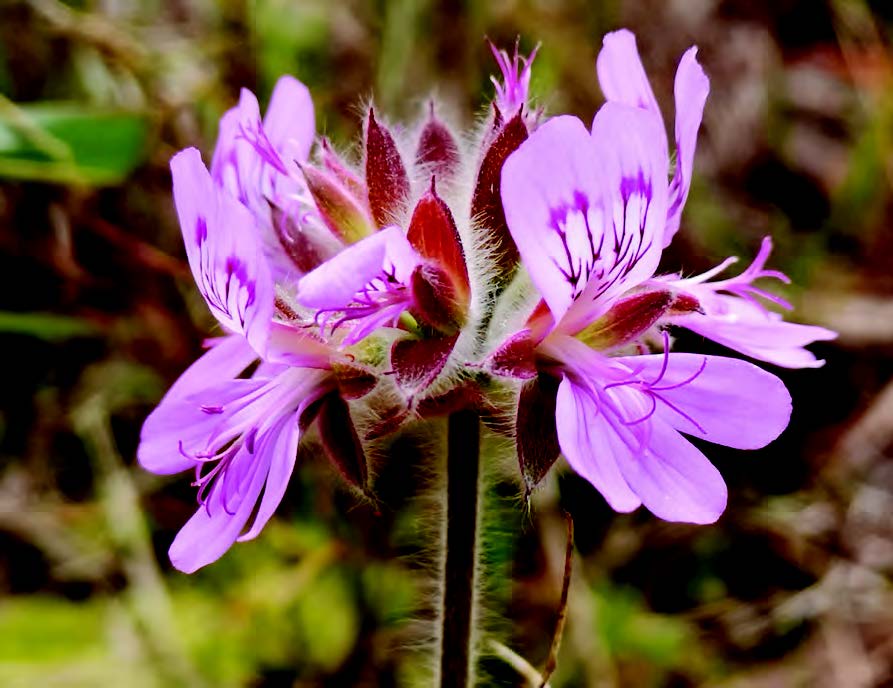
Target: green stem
[(457, 613)]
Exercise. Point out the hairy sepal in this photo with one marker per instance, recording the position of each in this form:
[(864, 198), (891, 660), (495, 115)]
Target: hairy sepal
[(340, 440), (536, 436), (486, 203), (386, 178), (437, 152), (341, 212)]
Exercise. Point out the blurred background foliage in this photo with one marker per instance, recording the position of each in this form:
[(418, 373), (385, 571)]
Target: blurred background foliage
[(98, 315)]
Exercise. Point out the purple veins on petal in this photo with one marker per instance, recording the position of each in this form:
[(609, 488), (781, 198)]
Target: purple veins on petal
[(248, 448), (224, 251), (539, 182)]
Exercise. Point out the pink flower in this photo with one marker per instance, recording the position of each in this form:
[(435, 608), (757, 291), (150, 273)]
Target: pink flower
[(590, 212)]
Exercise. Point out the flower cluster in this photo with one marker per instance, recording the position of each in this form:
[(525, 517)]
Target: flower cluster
[(441, 272)]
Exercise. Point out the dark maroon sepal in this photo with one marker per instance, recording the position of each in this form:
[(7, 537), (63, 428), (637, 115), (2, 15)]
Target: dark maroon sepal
[(486, 203), (514, 357), (340, 440), (435, 301), (628, 319), (418, 362), (433, 233), (386, 177), (437, 151), (536, 436)]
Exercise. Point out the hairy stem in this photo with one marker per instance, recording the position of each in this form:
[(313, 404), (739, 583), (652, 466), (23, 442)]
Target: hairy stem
[(457, 612)]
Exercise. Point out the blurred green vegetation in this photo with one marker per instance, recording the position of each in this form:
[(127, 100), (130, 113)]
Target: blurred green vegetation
[(98, 315)]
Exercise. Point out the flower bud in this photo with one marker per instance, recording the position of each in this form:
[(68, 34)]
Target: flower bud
[(486, 203), (435, 301), (433, 233), (337, 207), (418, 362), (386, 177), (437, 151)]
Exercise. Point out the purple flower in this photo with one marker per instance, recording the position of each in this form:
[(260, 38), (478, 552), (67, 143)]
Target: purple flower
[(590, 212), (257, 161), (239, 434), (729, 313), (623, 80)]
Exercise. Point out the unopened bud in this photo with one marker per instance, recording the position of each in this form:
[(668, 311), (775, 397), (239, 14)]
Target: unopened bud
[(386, 177), (338, 208), (435, 301), (437, 152), (486, 203), (433, 233)]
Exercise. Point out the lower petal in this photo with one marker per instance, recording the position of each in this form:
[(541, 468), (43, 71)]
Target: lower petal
[(217, 524), (674, 480), (585, 439)]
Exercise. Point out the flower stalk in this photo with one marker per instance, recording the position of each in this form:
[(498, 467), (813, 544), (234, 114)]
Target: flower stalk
[(461, 541)]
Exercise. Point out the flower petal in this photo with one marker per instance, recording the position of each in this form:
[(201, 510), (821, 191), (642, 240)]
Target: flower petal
[(335, 283), (722, 400), (621, 74), (235, 165), (674, 480), (182, 426), (281, 442), (223, 250), (225, 358), (590, 445), (217, 523), (752, 331), (691, 89), (552, 193), (627, 231), (289, 121)]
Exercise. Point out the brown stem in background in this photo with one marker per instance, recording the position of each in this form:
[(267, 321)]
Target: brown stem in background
[(552, 660)]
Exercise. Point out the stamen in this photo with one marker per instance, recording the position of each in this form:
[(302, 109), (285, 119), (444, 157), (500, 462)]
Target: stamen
[(684, 382)]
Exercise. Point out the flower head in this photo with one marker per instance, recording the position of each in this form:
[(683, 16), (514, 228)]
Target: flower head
[(590, 212), (354, 298)]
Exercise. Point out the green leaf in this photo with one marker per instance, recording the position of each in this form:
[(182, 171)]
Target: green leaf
[(69, 143), (47, 326)]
